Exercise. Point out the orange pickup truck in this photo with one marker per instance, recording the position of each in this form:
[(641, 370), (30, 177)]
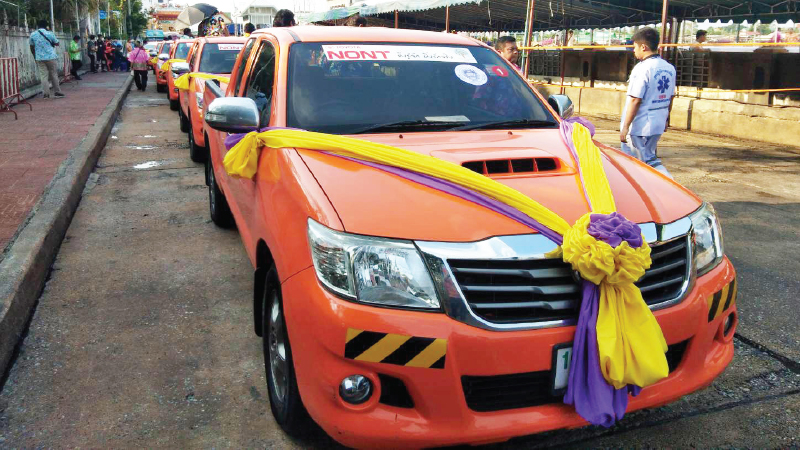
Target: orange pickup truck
[(398, 315), (163, 51), (215, 55), (180, 50)]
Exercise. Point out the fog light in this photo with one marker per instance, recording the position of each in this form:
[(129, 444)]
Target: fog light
[(355, 389), (726, 329)]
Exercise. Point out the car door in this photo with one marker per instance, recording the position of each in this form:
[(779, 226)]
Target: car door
[(259, 86)]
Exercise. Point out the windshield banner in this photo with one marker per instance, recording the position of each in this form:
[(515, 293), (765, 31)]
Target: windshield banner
[(397, 53), (233, 47)]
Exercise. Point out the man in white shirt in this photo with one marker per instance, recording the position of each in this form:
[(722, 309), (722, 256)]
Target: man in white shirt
[(650, 91)]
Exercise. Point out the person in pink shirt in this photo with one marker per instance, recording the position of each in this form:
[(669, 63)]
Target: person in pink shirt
[(138, 58)]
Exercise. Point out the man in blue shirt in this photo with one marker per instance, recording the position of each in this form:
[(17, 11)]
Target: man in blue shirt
[(650, 91), (43, 46)]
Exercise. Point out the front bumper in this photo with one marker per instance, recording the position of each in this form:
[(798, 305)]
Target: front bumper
[(318, 324)]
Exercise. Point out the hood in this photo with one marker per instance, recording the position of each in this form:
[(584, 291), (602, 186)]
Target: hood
[(372, 202)]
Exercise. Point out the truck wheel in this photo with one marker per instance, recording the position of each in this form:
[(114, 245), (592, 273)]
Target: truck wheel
[(161, 88), (284, 397), (174, 104), (196, 152), (217, 203), (184, 121)]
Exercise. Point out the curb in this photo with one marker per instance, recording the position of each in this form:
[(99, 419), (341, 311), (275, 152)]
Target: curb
[(26, 263)]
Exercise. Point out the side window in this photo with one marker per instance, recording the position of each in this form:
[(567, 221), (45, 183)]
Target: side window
[(237, 77), (262, 78)]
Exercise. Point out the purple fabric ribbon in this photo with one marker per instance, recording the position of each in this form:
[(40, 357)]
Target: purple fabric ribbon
[(613, 229), (466, 194), (587, 390)]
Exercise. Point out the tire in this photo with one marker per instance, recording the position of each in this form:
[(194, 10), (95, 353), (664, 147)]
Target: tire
[(207, 168), (284, 396), (184, 122), (161, 88), (174, 104), (196, 152), (217, 203)]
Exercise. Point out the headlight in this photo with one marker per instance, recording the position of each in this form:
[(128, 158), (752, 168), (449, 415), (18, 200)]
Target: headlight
[(199, 96), (385, 272), (707, 238), (174, 75)]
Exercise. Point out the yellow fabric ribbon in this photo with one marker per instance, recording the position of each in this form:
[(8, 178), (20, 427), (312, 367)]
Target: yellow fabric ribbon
[(182, 82), (153, 60), (242, 161), (630, 342), (165, 65)]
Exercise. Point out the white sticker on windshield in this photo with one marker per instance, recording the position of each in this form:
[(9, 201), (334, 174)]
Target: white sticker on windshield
[(471, 74), (233, 47), (447, 118), (397, 53)]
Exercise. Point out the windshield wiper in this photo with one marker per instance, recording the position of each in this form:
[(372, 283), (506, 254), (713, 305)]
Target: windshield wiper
[(405, 125), (521, 123)]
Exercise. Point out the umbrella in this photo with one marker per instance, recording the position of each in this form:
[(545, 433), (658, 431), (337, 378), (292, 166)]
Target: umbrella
[(195, 14)]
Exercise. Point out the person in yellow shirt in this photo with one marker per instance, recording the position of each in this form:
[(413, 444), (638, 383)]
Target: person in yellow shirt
[(249, 28)]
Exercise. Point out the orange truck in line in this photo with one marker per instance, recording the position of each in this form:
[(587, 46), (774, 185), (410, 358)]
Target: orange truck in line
[(163, 51), (397, 315), (214, 55), (179, 50)]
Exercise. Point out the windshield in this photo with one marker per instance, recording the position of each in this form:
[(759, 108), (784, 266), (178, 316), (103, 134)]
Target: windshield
[(165, 48), (219, 58), (354, 88), (181, 51)]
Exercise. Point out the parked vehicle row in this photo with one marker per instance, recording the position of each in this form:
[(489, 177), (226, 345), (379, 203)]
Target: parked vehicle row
[(395, 314)]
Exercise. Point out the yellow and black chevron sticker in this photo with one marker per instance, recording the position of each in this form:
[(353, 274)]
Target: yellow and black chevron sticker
[(409, 351), (722, 300)]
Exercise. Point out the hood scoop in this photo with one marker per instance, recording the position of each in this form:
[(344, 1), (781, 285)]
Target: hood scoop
[(516, 166)]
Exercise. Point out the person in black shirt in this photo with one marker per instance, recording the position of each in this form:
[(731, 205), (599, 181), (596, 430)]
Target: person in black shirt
[(101, 54)]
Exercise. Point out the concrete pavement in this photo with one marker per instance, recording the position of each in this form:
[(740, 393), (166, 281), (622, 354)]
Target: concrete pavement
[(143, 335), (39, 141)]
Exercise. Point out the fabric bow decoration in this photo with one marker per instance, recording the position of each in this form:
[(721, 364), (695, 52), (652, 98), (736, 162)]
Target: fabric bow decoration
[(618, 346)]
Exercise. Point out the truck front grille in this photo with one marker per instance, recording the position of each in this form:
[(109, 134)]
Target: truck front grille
[(537, 290)]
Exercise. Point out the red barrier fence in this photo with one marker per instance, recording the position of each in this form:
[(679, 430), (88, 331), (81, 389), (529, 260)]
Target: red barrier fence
[(9, 86)]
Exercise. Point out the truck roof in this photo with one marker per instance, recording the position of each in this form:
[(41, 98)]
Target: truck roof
[(368, 34), (223, 39)]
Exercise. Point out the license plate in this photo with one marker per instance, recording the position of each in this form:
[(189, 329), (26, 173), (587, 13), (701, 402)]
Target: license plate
[(562, 358)]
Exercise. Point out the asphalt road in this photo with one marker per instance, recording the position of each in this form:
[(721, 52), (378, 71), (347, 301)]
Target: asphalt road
[(143, 335)]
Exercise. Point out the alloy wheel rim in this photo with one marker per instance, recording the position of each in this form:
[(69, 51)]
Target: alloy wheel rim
[(212, 197), (278, 366)]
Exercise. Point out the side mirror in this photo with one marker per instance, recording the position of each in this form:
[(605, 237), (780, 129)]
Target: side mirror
[(562, 104), (233, 115), (164, 56), (179, 68)]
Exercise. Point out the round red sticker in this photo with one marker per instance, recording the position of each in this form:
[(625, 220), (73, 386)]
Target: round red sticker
[(499, 71)]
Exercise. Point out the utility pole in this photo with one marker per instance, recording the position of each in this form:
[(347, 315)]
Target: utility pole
[(129, 22), (108, 16), (52, 18)]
